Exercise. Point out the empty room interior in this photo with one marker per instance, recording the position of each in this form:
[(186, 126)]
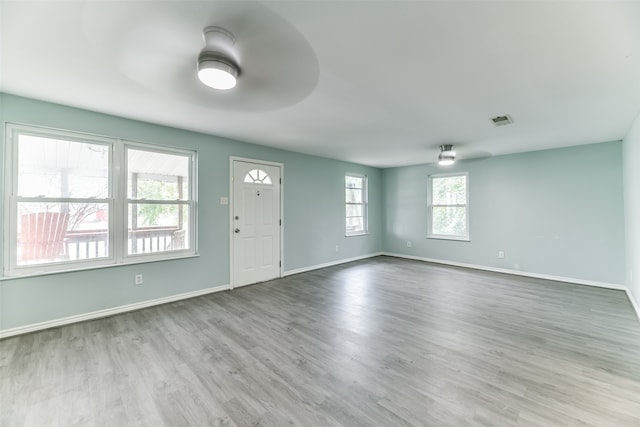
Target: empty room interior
[(320, 213)]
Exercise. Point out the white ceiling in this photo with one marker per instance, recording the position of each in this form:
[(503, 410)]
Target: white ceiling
[(381, 83)]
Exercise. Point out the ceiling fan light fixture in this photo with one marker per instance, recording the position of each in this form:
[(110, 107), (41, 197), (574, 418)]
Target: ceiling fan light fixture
[(217, 73), (216, 69), (447, 156)]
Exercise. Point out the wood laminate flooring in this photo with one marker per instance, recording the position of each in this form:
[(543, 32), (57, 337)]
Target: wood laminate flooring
[(379, 342)]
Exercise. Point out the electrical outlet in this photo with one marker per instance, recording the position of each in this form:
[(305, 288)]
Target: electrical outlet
[(337, 248), (500, 254), (409, 244), (138, 279)]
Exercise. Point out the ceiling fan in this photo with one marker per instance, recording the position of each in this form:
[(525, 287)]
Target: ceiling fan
[(216, 69), (160, 49)]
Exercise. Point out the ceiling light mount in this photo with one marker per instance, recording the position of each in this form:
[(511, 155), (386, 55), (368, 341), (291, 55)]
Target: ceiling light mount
[(216, 68), (447, 155), (218, 37)]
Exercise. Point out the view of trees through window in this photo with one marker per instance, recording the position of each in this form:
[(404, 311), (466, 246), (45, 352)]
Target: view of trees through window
[(158, 191), (355, 204), (159, 188), (449, 205)]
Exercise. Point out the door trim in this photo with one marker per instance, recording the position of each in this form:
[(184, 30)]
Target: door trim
[(231, 201)]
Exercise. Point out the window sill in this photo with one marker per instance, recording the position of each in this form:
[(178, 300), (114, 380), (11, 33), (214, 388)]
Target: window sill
[(356, 234), (454, 238), (93, 267)]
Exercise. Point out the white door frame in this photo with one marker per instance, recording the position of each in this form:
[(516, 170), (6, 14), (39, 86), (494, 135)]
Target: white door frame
[(231, 202)]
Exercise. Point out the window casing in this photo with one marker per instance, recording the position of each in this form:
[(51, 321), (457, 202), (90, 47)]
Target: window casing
[(75, 201), (448, 206), (356, 204)]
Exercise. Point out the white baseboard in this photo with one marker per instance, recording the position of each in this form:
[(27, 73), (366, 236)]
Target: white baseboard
[(329, 264), (144, 304), (514, 272), (634, 303), (107, 312)]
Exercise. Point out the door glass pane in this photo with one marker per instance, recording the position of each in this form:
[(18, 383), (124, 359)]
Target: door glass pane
[(49, 167), (257, 176), (58, 232)]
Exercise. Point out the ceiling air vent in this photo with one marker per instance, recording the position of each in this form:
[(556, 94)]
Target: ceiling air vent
[(501, 120)]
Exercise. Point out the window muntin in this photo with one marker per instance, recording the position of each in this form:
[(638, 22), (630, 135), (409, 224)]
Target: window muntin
[(63, 211), (355, 204), (449, 206)]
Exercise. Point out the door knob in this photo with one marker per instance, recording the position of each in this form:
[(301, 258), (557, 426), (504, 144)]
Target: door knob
[(237, 230)]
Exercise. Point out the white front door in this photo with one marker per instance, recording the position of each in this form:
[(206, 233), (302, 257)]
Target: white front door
[(255, 222)]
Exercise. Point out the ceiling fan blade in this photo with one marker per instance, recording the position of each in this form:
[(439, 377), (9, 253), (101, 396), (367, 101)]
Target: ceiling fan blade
[(158, 47)]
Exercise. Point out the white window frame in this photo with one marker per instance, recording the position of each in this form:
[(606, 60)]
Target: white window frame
[(117, 201), (189, 201), (365, 205), (430, 234)]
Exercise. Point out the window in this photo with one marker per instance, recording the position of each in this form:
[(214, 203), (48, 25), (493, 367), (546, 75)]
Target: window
[(158, 201), (257, 176), (449, 206), (356, 204), (76, 201)]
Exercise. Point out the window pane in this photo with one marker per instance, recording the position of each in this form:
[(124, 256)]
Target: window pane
[(61, 199), (354, 210), (157, 176), (355, 224), (353, 181), (257, 176), (450, 221), (355, 204), (450, 190), (58, 232), (49, 167), (354, 196), (157, 227)]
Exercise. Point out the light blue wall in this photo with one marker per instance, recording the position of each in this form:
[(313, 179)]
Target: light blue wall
[(553, 212), (313, 219), (631, 156)]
